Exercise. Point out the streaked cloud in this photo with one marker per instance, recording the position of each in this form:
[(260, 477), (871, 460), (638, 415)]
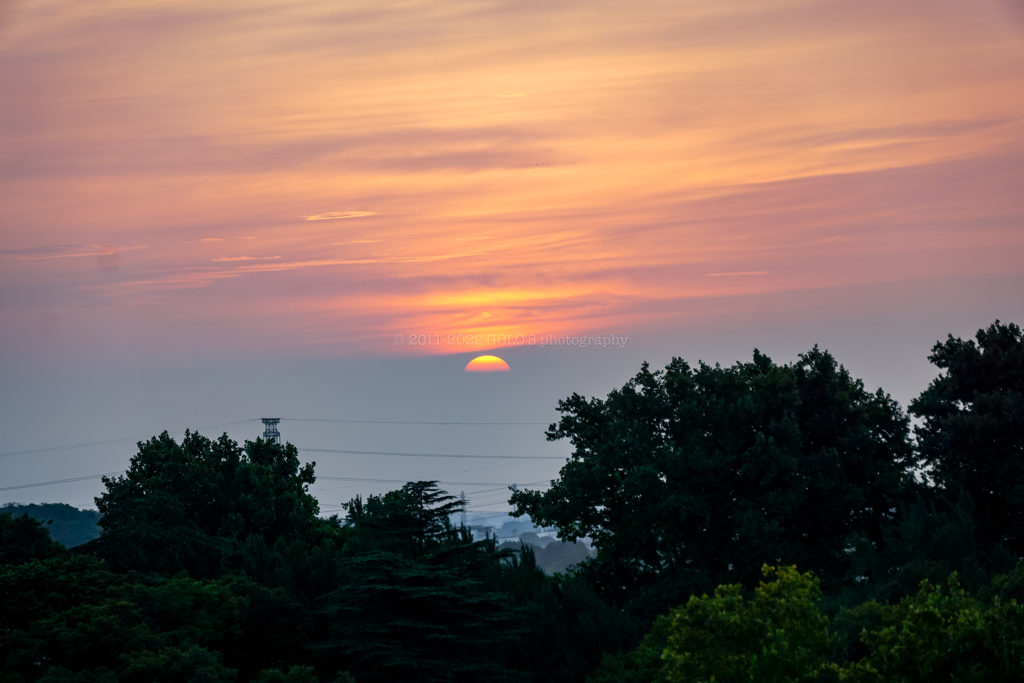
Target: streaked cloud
[(334, 215), (244, 258), (45, 250), (62, 251), (592, 165)]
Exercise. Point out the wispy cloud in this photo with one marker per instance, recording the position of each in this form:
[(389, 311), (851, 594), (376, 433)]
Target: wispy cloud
[(44, 250), (244, 258), (593, 160), (335, 215), (58, 251)]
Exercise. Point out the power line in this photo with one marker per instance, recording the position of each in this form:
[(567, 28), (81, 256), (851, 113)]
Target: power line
[(119, 440), (410, 422), (433, 455), (355, 479), (125, 439), (59, 481), (406, 481)]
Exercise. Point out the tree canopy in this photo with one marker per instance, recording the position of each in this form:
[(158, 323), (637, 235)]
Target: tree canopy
[(688, 477), (193, 505), (214, 564), (972, 432)]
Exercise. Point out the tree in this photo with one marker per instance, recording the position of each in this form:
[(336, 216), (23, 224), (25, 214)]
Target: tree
[(414, 521), (779, 635), (23, 538), (972, 435), (692, 477), (193, 505), (640, 665), (938, 635), (395, 619), (70, 618)]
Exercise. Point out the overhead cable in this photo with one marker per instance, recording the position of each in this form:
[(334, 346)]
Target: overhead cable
[(414, 422), (119, 440), (433, 455)]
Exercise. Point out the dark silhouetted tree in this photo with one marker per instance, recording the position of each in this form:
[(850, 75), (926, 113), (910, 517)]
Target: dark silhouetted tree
[(194, 505), (972, 436), (692, 477)]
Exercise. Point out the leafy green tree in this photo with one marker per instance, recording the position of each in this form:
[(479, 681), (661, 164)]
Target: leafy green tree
[(779, 635), (972, 435), (23, 538), (395, 619), (192, 505), (420, 600), (640, 665), (413, 521), (939, 635), (71, 618), (930, 539), (296, 674), (567, 628), (692, 477)]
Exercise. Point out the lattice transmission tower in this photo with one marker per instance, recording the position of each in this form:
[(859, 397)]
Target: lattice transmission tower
[(270, 432)]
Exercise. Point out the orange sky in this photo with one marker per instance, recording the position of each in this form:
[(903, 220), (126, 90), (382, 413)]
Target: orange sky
[(360, 170)]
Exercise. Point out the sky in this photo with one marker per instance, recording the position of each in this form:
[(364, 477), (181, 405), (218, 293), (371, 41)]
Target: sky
[(323, 210)]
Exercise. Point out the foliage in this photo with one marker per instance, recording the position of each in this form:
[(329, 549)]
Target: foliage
[(938, 635), (779, 635), (641, 665), (691, 477), (213, 564), (396, 619), (23, 538), (930, 539), (192, 505), (72, 613), (568, 627), (414, 521), (972, 436)]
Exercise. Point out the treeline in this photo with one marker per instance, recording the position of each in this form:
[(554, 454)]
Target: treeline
[(214, 565), (694, 479), (755, 522)]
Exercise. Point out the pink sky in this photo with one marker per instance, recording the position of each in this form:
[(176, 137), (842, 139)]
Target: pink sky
[(369, 169)]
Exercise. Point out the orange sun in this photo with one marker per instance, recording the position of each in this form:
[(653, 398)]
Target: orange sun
[(487, 364)]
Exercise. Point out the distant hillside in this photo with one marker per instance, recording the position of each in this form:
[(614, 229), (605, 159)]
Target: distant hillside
[(70, 526), (553, 557)]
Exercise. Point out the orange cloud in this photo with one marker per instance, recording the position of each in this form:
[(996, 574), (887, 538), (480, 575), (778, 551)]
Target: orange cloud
[(335, 215), (245, 258), (593, 165)]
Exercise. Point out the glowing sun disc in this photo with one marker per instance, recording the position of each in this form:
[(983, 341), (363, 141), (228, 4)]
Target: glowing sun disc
[(487, 364)]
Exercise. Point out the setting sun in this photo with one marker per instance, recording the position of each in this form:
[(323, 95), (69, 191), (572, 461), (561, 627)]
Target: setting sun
[(487, 364)]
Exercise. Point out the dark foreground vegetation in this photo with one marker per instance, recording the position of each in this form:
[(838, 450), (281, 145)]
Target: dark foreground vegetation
[(759, 522)]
